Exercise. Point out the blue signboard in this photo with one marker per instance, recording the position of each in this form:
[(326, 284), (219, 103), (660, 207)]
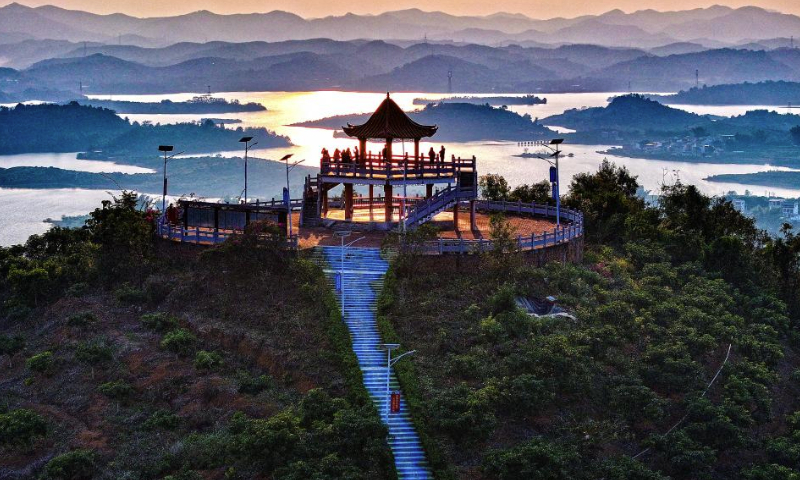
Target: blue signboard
[(286, 198), (553, 175), (338, 278)]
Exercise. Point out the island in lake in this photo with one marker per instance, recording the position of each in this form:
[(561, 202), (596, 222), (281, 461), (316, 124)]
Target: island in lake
[(494, 101), (778, 93), (202, 176), (771, 179), (202, 104), (104, 135), (458, 122)]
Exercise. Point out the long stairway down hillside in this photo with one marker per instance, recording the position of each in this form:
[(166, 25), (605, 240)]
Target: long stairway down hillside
[(363, 278)]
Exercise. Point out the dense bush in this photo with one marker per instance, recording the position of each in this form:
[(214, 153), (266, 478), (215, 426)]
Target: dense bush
[(204, 360), (117, 389), (180, 341), (41, 362), (21, 427), (159, 321), (74, 465), (320, 436), (94, 352), (162, 419)]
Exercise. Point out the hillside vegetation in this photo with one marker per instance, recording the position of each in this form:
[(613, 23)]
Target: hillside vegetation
[(127, 358), (665, 299)]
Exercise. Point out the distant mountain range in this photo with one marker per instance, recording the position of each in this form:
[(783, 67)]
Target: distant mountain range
[(712, 27)]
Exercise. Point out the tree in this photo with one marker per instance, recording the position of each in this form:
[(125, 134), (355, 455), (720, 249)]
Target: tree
[(494, 187), (606, 198)]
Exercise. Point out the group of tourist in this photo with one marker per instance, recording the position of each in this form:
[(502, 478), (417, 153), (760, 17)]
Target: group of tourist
[(346, 156)]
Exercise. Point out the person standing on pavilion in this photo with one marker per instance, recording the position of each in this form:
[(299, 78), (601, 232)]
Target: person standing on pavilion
[(441, 155), (432, 155), (337, 155)]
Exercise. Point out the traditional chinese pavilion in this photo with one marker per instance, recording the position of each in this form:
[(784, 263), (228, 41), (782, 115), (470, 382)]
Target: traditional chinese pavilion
[(456, 178)]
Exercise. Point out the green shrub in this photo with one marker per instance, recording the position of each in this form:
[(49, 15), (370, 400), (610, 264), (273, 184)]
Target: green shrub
[(11, 345), (94, 352), (21, 427), (180, 341), (130, 294), (162, 419), (536, 459), (118, 389), (159, 321), (770, 472), (74, 465), (41, 362), (207, 360), (253, 385), (81, 319)]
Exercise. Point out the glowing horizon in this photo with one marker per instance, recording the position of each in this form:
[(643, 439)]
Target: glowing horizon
[(540, 9)]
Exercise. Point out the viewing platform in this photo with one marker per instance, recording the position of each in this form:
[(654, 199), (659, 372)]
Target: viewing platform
[(374, 170)]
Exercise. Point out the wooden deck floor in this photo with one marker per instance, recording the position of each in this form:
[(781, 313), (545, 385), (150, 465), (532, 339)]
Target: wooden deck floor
[(526, 226)]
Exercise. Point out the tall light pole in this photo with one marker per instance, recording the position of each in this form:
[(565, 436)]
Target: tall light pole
[(288, 196), (165, 149), (389, 364), (246, 140), (342, 234), (555, 146)]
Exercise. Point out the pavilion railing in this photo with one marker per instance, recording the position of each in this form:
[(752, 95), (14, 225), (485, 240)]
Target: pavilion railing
[(571, 229), (397, 168), (208, 236)]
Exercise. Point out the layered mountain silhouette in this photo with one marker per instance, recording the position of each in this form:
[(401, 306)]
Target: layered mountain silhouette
[(713, 27)]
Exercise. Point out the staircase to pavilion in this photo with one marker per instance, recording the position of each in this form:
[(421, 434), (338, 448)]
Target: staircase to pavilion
[(363, 272), (425, 210)]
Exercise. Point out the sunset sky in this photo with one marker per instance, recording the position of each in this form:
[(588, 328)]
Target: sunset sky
[(318, 8)]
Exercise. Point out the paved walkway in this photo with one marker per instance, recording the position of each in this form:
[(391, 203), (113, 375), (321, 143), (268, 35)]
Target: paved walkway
[(363, 278)]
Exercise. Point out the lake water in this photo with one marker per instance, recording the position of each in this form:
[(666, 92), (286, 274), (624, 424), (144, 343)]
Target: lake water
[(22, 212)]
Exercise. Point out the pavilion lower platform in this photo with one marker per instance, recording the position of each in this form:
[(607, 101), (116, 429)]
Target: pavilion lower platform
[(309, 237)]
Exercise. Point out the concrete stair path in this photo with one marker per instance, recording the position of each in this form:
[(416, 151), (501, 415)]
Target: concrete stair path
[(364, 269)]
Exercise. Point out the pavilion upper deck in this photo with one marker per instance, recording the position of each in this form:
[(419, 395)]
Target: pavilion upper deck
[(395, 170)]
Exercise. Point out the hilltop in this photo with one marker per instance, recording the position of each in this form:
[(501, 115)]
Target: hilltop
[(83, 128), (627, 112), (778, 93)]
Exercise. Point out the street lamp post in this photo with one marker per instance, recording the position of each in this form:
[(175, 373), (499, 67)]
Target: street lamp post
[(246, 140), (555, 146), (342, 234), (389, 364), (166, 149), (288, 198)]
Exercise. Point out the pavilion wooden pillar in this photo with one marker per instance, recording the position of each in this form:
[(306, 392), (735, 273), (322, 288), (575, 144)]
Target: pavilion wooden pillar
[(388, 203), (429, 190), (371, 194), (416, 153), (455, 217), (473, 223), (362, 150), (348, 201), (324, 203)]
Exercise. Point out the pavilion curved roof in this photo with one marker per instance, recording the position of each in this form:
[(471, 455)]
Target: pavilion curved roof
[(390, 121)]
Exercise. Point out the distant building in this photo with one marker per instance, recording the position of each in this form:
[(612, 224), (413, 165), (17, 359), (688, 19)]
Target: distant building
[(739, 205), (790, 209), (775, 203)]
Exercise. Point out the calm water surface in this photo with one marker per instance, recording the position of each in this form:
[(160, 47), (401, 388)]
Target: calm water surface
[(22, 212)]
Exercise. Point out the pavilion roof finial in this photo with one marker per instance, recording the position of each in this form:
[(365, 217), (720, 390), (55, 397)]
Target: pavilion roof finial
[(387, 94)]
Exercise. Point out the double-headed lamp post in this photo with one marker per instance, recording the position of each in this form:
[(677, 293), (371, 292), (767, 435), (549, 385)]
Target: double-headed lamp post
[(389, 364), (555, 147), (246, 140), (342, 234), (165, 149), (288, 198)]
